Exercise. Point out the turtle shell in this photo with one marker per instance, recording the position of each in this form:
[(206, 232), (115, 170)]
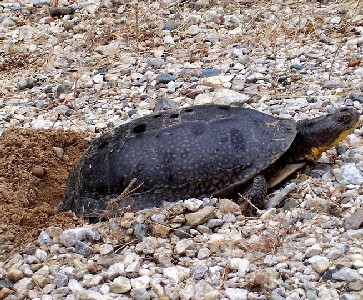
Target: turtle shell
[(178, 154)]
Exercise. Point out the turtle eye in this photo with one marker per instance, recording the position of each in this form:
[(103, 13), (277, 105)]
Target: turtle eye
[(345, 119)]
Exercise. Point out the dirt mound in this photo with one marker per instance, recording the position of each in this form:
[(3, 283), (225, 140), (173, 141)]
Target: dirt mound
[(34, 166)]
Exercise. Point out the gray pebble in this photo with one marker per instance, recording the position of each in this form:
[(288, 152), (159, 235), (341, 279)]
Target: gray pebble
[(26, 83), (199, 271), (182, 232), (61, 11), (83, 249), (165, 78), (210, 72), (214, 223), (140, 230), (346, 274), (61, 279), (44, 238), (163, 103)]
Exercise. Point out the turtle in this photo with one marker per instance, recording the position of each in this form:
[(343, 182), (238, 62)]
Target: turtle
[(195, 152)]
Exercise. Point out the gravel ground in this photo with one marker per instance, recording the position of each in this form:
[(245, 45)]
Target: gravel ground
[(91, 65)]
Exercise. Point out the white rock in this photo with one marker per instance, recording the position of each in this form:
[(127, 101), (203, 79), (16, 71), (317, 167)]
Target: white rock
[(243, 267), (335, 20), (218, 80), (120, 285), (193, 204), (178, 273), (168, 39), (236, 294), (234, 262), (140, 282), (75, 286), (193, 30), (106, 249), (313, 250), (352, 174), (319, 263), (98, 78), (41, 255), (183, 245), (116, 269)]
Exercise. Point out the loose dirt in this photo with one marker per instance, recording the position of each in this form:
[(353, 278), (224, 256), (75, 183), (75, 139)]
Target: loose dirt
[(33, 175)]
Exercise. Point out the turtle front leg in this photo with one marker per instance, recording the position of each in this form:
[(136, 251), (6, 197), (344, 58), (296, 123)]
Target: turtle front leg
[(255, 195)]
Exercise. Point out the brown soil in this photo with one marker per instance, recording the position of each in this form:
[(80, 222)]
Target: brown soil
[(32, 180)]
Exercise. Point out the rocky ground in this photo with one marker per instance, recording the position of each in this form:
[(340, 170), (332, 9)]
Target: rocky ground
[(91, 65)]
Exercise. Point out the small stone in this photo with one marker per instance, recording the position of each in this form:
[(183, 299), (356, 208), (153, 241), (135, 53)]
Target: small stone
[(319, 263), (182, 232), (156, 62), (61, 279), (353, 62), (120, 285), (140, 282), (75, 286), (4, 292), (355, 221), (228, 206), (26, 83), (38, 171), (169, 40), (159, 218), (161, 229), (140, 294), (171, 25), (236, 294), (214, 223), (164, 103), (178, 273), (352, 174), (59, 90), (69, 237), (297, 66), (210, 72), (40, 280), (203, 253), (140, 230), (193, 30), (165, 78), (83, 249), (335, 20), (60, 11), (332, 83), (15, 275), (183, 245), (199, 271), (228, 97), (204, 229), (313, 250), (98, 78), (243, 267), (199, 217), (23, 286), (148, 245), (115, 270), (346, 274), (44, 238), (41, 255), (59, 152), (193, 204), (8, 22), (106, 249)]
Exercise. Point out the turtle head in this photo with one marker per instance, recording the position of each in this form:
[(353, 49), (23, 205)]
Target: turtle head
[(314, 136)]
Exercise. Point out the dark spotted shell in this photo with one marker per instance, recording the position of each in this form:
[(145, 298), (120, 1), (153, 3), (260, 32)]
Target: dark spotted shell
[(191, 152)]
